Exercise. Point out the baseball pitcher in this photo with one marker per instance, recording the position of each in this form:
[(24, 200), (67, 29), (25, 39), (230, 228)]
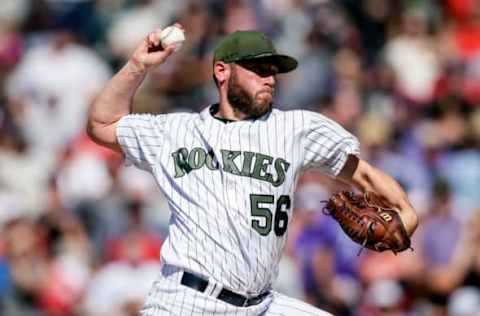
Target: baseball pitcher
[(229, 175)]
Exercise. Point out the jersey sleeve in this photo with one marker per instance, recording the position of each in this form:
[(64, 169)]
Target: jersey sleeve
[(141, 137), (326, 144)]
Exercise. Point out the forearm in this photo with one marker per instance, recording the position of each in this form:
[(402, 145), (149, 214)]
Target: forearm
[(372, 179), (116, 99), (114, 102), (368, 178)]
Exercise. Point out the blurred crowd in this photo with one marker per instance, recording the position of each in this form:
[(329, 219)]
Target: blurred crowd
[(81, 232)]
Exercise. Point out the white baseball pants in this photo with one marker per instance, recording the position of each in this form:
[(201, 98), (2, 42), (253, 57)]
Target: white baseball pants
[(169, 297)]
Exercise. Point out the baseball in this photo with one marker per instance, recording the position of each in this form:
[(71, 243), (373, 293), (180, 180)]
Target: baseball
[(172, 35)]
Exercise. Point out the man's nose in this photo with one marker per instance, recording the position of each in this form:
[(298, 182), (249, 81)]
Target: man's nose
[(270, 80)]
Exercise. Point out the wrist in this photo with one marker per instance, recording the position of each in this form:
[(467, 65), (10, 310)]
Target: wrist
[(136, 68), (410, 220)]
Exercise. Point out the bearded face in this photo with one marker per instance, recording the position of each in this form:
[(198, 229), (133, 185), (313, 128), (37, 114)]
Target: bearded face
[(251, 103)]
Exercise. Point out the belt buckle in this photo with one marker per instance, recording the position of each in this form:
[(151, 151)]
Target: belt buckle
[(254, 300), (258, 299)]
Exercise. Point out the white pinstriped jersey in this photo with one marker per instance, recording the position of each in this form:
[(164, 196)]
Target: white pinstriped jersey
[(230, 185)]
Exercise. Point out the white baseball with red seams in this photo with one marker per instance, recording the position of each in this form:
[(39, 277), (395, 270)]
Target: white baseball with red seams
[(172, 35)]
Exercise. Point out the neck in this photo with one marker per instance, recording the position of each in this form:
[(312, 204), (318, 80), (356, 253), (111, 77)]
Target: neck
[(227, 111)]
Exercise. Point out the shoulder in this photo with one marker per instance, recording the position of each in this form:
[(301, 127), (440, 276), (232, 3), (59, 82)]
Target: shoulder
[(167, 117), (278, 113), (160, 123), (306, 116), (181, 116), (307, 122)]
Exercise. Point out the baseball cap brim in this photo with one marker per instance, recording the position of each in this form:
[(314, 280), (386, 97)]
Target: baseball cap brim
[(284, 63), (250, 45)]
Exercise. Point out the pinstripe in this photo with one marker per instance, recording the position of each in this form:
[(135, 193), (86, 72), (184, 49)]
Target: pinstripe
[(259, 244), (204, 308), (238, 218), (250, 231), (188, 244), (303, 140), (295, 307), (217, 207), (214, 266), (138, 147), (226, 210), (312, 151), (230, 214), (194, 302), (204, 181), (219, 230), (335, 165), (238, 210), (315, 144), (247, 192), (329, 130), (194, 212), (185, 138), (195, 299), (211, 230), (272, 245), (321, 129), (155, 295), (180, 201), (323, 144), (284, 305), (143, 136)]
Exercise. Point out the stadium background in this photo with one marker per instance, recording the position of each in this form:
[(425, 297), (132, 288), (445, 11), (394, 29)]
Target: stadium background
[(81, 233)]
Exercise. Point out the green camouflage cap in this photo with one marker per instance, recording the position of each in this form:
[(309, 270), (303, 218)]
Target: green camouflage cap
[(247, 45)]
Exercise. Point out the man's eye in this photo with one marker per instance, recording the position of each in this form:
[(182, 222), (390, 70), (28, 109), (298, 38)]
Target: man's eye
[(264, 72), (260, 69)]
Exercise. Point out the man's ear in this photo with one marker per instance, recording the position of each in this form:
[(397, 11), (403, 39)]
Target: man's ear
[(221, 71)]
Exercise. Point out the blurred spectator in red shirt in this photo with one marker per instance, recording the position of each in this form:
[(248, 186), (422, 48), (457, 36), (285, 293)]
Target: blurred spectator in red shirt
[(146, 243)]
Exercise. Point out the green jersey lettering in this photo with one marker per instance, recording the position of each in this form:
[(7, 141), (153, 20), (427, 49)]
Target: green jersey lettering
[(196, 158), (281, 167), (180, 160), (260, 170), (228, 164)]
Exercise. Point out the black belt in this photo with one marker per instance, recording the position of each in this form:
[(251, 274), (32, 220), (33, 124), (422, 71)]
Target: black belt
[(199, 284)]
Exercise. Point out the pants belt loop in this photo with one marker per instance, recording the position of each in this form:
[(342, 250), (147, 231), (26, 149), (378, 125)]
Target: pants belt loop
[(210, 288), (216, 289)]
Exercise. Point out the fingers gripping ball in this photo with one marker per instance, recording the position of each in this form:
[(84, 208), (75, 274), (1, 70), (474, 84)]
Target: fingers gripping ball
[(172, 35), (369, 222)]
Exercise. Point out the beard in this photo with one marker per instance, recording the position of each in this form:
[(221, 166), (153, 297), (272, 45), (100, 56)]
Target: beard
[(252, 106)]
